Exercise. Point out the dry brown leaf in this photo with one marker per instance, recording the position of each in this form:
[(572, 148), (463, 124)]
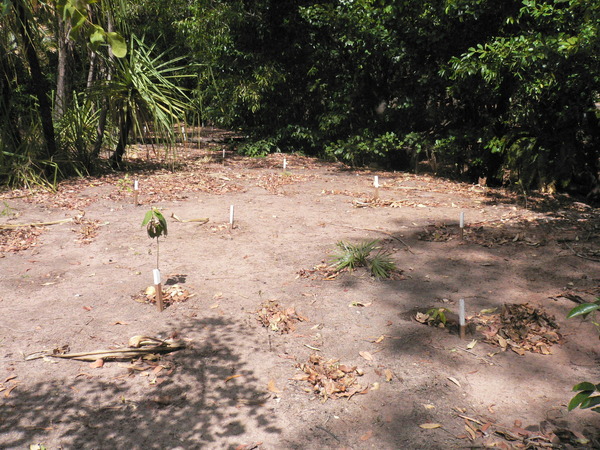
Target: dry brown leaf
[(389, 375), (380, 339), (10, 389), (430, 426), (273, 388), (368, 435), (97, 364), (472, 433), (231, 377), (366, 355)]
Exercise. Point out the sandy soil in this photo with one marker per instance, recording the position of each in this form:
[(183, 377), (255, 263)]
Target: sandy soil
[(237, 384)]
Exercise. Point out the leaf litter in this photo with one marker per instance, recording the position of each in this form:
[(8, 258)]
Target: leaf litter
[(171, 294), (330, 379), (520, 328), (279, 318)]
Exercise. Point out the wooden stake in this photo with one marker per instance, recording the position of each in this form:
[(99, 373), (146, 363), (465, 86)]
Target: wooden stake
[(461, 317), (376, 185), (462, 225), (158, 288)]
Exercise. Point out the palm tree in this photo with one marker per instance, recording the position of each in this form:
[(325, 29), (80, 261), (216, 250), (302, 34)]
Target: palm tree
[(143, 89)]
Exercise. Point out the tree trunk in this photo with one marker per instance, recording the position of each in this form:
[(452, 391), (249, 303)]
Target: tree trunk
[(124, 128), (40, 86), (63, 84)]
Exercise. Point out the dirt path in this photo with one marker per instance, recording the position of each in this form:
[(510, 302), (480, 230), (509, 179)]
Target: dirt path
[(240, 385)]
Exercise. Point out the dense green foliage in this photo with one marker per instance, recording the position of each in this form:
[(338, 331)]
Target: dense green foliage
[(503, 89)]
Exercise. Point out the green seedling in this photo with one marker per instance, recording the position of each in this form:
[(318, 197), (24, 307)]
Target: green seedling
[(156, 226), (437, 315)]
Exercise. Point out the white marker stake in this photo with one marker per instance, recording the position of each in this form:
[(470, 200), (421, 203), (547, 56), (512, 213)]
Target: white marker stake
[(223, 155), (284, 163), (461, 317), (462, 225), (158, 288), (231, 216), (376, 185), (135, 192)]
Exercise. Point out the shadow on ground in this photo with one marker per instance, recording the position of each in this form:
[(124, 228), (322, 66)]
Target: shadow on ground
[(193, 407)]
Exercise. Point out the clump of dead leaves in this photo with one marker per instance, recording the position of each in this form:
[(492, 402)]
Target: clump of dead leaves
[(171, 294), (320, 271), (18, 239), (330, 379), (521, 328), (278, 318)]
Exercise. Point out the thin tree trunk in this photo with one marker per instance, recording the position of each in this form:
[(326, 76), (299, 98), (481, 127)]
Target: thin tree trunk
[(62, 79), (40, 85), (125, 127)]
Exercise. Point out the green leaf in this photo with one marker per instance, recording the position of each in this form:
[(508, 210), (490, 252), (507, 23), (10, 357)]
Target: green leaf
[(117, 44), (578, 399), (585, 386), (97, 37), (590, 402), (147, 217), (583, 309), (161, 221)]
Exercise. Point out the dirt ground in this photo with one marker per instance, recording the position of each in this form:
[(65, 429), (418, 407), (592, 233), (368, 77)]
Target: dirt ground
[(77, 286)]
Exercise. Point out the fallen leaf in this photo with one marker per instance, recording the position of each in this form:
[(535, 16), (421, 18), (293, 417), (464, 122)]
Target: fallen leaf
[(88, 308), (231, 377), (454, 380), (380, 339), (430, 426), (472, 344), (471, 432), (360, 304), (366, 355), (428, 406), (375, 386), (10, 389), (389, 375), (120, 323), (97, 364), (12, 377), (273, 388), (368, 435)]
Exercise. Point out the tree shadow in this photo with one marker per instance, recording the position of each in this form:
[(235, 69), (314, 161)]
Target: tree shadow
[(210, 396)]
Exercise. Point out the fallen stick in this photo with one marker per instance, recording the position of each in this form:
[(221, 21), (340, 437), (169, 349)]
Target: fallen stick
[(35, 224), (145, 346), (580, 255), (178, 219)]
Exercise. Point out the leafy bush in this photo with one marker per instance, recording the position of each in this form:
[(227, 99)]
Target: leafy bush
[(585, 398), (352, 256)]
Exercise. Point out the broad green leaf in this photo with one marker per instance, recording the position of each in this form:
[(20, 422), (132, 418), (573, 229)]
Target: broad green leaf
[(578, 399), (585, 386), (583, 309), (97, 37), (147, 218), (590, 402), (117, 44)]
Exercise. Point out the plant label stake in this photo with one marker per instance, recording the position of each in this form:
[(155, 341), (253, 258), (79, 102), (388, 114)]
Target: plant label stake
[(461, 317), (376, 185), (462, 225), (284, 163), (135, 192), (231, 217), (223, 155), (158, 288)]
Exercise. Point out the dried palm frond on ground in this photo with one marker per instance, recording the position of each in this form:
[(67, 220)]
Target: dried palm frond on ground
[(277, 318), (329, 378)]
